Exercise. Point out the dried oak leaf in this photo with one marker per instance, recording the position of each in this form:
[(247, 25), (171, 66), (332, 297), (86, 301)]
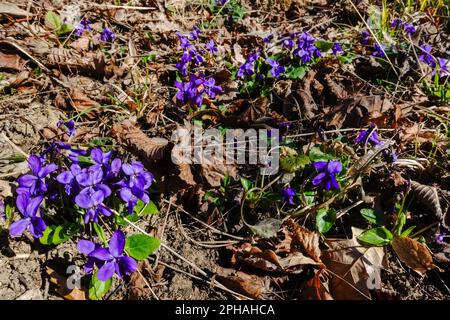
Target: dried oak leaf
[(11, 62), (428, 196), (352, 267), (308, 106), (414, 254), (134, 138), (82, 103), (307, 239), (356, 111), (315, 289), (249, 285), (443, 256)]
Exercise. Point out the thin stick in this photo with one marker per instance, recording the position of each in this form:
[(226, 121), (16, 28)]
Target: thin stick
[(14, 146)]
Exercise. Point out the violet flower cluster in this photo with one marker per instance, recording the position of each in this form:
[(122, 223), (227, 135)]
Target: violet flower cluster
[(105, 36), (306, 50), (198, 86), (88, 187), (399, 24)]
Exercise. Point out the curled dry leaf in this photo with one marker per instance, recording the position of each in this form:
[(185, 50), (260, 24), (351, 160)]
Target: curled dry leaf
[(308, 105), (354, 268), (428, 196), (82, 103), (444, 255), (249, 285), (308, 240), (135, 139), (414, 254), (11, 62)]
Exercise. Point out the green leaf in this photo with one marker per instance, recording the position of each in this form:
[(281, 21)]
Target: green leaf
[(379, 236), (295, 72), (54, 235), (315, 154), (246, 184), (65, 28), (100, 232), (140, 246), (325, 219), (267, 228), (372, 216), (53, 20), (294, 163), (408, 231), (324, 45), (97, 288), (149, 208)]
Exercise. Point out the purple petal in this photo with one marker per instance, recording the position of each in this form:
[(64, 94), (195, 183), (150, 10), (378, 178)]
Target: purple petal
[(34, 163), (97, 197), (334, 166), (125, 194), (320, 165), (18, 227), (104, 189), (97, 155), (47, 170), (65, 177), (117, 243), (127, 265), (37, 227), (33, 206), (27, 180), (83, 199), (105, 211), (107, 271), (85, 246), (334, 182), (101, 254), (127, 169), (22, 202), (318, 179)]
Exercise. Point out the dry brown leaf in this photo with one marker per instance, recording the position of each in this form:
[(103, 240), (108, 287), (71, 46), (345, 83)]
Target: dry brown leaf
[(11, 62), (352, 267), (309, 240), (444, 255), (11, 9), (428, 196), (250, 285), (62, 289), (356, 111), (414, 254), (315, 289), (82, 103), (308, 106), (150, 148)]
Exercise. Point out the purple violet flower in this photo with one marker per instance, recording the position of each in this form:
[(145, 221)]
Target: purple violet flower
[(277, 69), (211, 46), (368, 136), (409, 28), (70, 126), (210, 88), (439, 238), (327, 176), (247, 67), (68, 179), (107, 35), (87, 247), (441, 67), (93, 202), (396, 23), (139, 177), (115, 261), (287, 195), (426, 55), (82, 26), (194, 34), (365, 36), (268, 39), (379, 51), (35, 183), (29, 208), (336, 49)]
